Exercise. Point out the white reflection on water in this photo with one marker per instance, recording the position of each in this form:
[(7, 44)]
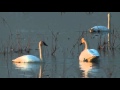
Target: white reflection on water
[(100, 35), (90, 69), (32, 70)]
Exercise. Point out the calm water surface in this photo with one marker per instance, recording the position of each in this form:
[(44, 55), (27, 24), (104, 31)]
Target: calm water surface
[(63, 32)]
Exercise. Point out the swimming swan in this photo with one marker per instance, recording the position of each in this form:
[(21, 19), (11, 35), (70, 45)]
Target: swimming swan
[(88, 54), (31, 58), (101, 28)]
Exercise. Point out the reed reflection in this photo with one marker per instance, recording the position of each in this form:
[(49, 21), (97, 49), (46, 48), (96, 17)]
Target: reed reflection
[(103, 39), (100, 35)]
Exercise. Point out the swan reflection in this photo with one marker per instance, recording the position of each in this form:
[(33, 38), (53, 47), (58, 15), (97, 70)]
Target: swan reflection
[(33, 70), (100, 35), (104, 37), (89, 69)]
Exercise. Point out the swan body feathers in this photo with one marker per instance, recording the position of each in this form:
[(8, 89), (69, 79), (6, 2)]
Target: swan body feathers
[(88, 54)]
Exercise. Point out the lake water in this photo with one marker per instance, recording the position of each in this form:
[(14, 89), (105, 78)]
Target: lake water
[(62, 33)]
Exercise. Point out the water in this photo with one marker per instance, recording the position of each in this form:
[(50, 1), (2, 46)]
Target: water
[(63, 32)]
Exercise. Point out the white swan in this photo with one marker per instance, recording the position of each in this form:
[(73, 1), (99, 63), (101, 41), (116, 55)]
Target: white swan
[(31, 58), (88, 54), (101, 28)]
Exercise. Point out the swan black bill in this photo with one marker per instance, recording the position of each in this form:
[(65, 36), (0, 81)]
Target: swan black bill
[(80, 43), (44, 43)]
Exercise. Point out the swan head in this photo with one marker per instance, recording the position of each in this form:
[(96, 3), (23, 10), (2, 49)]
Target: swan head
[(91, 30), (42, 43), (82, 41)]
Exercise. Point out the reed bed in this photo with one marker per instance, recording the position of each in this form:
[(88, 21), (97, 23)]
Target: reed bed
[(112, 44), (14, 44)]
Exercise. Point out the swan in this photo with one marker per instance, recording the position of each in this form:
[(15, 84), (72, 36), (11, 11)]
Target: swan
[(88, 54), (101, 28), (31, 58)]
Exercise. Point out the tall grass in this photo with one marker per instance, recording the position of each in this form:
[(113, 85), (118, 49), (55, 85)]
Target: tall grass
[(112, 44)]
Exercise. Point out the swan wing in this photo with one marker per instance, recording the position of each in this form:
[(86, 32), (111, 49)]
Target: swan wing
[(27, 58), (32, 58), (101, 28), (93, 52)]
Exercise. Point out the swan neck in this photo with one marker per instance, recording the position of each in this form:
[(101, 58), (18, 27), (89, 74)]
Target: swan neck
[(40, 52), (86, 46), (109, 21)]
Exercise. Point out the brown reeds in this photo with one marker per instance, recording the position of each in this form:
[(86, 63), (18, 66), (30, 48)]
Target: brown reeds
[(54, 41), (77, 42)]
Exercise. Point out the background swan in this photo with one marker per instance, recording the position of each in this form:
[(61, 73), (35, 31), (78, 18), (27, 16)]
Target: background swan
[(88, 54), (31, 58), (101, 28)]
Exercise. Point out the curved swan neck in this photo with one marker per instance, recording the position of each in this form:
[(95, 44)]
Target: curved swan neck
[(40, 52), (109, 22), (86, 46)]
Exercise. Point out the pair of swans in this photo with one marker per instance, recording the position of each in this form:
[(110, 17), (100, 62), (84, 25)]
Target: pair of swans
[(90, 54), (86, 54)]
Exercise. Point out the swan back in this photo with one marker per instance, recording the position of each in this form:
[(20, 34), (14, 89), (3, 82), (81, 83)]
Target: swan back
[(98, 29), (93, 52), (26, 58)]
